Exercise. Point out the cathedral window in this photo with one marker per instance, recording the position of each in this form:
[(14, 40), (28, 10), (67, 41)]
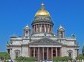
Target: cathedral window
[(70, 53), (17, 53), (61, 34), (42, 28), (8, 51), (26, 32)]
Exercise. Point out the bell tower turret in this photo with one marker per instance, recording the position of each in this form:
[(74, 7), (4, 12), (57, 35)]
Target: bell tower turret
[(61, 32), (27, 31)]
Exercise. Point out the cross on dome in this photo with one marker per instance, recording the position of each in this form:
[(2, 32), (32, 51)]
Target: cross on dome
[(42, 11), (42, 4)]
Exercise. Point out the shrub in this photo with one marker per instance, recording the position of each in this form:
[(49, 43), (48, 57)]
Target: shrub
[(80, 57), (25, 59), (65, 58)]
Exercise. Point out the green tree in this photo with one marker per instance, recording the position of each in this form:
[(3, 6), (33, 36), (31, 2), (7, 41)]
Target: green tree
[(83, 51), (4, 56)]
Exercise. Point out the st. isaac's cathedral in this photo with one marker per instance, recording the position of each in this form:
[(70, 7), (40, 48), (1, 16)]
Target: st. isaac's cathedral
[(40, 42)]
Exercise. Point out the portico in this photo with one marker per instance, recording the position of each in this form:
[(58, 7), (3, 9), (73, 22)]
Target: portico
[(45, 49), (45, 53)]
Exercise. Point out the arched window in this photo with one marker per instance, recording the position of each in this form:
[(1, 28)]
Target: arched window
[(61, 34), (26, 32), (70, 53), (17, 53), (42, 28)]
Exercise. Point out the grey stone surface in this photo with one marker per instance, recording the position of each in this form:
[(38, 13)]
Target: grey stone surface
[(45, 41)]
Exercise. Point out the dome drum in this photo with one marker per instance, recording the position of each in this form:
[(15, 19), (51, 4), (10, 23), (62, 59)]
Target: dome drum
[(42, 19)]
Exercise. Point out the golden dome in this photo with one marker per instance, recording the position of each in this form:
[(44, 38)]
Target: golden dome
[(42, 11)]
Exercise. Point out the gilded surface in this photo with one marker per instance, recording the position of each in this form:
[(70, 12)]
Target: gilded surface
[(42, 12)]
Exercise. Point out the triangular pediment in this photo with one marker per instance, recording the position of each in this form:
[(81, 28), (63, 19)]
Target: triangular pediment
[(45, 41)]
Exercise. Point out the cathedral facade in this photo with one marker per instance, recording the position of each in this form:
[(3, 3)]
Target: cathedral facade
[(40, 42)]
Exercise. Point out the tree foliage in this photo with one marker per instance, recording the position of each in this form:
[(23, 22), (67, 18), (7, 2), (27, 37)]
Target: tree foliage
[(4, 55), (65, 58), (83, 51), (80, 57)]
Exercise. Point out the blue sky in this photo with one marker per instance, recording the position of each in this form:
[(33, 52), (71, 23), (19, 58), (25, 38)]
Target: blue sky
[(16, 14)]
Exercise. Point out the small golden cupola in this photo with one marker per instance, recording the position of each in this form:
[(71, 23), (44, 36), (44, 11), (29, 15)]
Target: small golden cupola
[(42, 11)]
